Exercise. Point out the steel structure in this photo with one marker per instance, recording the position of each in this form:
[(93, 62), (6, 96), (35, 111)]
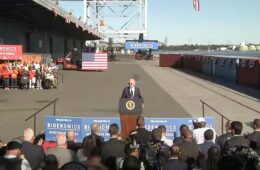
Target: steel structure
[(117, 19)]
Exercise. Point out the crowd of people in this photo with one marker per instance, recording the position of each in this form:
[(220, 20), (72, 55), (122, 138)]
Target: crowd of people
[(197, 148), (32, 75)]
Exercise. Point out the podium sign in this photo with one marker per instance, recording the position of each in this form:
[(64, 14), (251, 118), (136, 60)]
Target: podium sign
[(130, 106)]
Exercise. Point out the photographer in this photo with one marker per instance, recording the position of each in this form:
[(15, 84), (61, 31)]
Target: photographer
[(156, 152), (131, 150)]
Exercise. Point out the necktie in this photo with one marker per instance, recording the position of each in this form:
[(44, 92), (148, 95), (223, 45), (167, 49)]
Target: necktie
[(131, 92)]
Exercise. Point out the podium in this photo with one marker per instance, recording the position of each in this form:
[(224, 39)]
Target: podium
[(129, 110)]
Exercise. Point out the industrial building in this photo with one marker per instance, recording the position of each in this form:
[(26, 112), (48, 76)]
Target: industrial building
[(41, 26)]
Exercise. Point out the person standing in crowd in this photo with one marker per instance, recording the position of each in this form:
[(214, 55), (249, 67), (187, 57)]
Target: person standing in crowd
[(13, 160), (14, 76), (72, 141), (237, 139), (50, 163), (198, 134), (132, 92), (95, 131), (31, 78), (142, 136), (61, 152), (221, 140), (204, 147), (254, 137), (6, 76), (174, 162), (34, 153), (179, 140), (38, 76), (89, 144), (94, 160), (113, 147), (167, 141), (189, 150), (131, 163)]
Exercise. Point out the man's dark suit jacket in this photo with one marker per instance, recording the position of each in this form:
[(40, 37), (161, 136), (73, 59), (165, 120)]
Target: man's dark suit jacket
[(113, 148), (172, 164), (34, 154), (74, 146), (254, 139), (221, 140), (143, 136), (236, 141), (137, 94), (99, 138), (189, 151)]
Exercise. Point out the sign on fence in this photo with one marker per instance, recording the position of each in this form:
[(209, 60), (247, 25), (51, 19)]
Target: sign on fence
[(11, 52), (82, 125)]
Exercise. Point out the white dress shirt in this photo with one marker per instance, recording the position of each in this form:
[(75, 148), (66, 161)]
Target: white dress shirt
[(133, 90), (198, 135), (169, 142)]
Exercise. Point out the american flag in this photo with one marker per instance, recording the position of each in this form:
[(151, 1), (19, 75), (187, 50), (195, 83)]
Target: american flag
[(94, 61), (196, 5)]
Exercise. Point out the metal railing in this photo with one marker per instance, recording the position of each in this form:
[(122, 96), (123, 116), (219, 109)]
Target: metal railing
[(34, 116), (222, 116)]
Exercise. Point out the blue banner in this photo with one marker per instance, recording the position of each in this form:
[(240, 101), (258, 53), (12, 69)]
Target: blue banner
[(104, 123), (57, 124), (82, 125), (136, 45), (173, 124)]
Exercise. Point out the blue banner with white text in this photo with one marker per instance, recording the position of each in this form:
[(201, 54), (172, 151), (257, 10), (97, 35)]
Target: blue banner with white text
[(82, 125)]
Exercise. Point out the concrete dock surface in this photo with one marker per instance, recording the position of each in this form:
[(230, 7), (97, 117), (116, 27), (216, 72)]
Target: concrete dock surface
[(167, 92)]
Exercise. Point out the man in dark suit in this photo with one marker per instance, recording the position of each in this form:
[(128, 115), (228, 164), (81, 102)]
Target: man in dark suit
[(142, 135), (254, 137), (72, 143), (173, 162), (131, 91), (221, 140), (189, 150), (95, 131), (113, 147), (237, 139), (33, 153)]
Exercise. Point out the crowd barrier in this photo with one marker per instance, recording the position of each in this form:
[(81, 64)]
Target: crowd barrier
[(82, 125)]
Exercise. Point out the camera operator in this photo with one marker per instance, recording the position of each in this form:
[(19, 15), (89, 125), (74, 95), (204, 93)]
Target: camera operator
[(156, 152), (131, 149)]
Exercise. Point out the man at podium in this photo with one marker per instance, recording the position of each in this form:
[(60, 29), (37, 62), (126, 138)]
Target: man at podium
[(130, 107), (132, 92)]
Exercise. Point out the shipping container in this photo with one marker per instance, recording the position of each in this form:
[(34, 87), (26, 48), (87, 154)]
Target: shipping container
[(207, 65), (249, 72), (170, 60), (225, 68)]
